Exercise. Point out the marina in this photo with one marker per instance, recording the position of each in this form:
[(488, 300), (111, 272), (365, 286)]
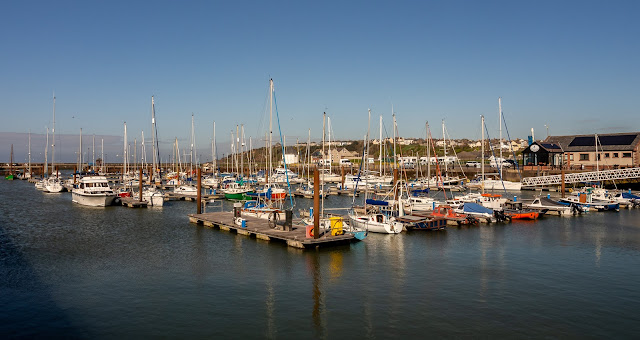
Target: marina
[(307, 170), (153, 267)]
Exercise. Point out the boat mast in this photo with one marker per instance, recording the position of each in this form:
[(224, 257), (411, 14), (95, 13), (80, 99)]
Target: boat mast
[(482, 153), (242, 149), (46, 149), (154, 137), (102, 158), (500, 140), (124, 154), (80, 153), (270, 126), (444, 158), (29, 153), (191, 151), (93, 152), (324, 119), (213, 150), (329, 146), (395, 157), (380, 142), (428, 153), (53, 132)]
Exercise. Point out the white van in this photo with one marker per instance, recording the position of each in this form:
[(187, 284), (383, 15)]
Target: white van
[(345, 162)]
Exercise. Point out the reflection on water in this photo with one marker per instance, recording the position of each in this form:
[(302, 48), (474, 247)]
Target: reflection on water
[(84, 272)]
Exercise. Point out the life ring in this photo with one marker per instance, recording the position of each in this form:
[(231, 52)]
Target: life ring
[(310, 232)]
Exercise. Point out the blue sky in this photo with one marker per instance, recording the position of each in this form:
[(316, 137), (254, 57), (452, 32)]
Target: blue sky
[(572, 65)]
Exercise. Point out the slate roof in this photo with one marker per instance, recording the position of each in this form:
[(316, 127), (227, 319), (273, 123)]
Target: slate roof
[(606, 142)]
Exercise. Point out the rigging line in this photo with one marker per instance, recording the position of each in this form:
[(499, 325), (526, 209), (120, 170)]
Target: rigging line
[(284, 160), (496, 162), (455, 153), (511, 147)]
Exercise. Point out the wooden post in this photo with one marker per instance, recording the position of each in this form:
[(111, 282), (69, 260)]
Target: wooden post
[(395, 182), (316, 203), (150, 175), (342, 171), (139, 186), (199, 197)]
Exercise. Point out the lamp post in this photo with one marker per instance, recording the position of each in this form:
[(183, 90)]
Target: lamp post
[(547, 127)]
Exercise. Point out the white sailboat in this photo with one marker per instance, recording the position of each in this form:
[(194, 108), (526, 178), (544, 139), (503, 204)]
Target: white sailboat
[(151, 194), (53, 184), (375, 222)]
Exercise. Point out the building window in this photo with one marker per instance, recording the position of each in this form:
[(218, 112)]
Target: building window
[(615, 155), (626, 155), (606, 155), (584, 156), (570, 156)]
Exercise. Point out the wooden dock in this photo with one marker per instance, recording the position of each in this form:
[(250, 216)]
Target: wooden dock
[(260, 229), (132, 202)]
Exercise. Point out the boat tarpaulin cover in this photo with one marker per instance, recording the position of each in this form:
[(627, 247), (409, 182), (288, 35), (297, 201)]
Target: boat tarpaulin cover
[(377, 202), (476, 208)]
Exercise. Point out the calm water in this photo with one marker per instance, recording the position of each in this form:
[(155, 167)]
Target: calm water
[(73, 271)]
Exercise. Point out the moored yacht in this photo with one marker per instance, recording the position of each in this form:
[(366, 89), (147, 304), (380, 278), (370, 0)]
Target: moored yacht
[(93, 191)]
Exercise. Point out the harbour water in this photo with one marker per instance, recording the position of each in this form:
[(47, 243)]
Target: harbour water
[(74, 271)]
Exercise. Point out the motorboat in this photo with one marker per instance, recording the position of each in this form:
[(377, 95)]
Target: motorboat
[(93, 191), (552, 207)]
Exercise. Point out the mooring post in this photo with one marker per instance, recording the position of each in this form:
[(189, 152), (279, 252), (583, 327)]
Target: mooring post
[(199, 197), (140, 185), (342, 171), (316, 203)]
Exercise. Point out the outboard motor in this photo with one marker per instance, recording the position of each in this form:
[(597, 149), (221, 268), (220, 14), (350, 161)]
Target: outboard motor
[(500, 215)]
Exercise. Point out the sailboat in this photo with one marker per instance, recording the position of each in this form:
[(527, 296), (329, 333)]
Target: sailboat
[(499, 183), (151, 194), (270, 199), (53, 184), (189, 189), (371, 217)]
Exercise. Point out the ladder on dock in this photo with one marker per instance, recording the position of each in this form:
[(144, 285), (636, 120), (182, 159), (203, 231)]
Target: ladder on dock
[(592, 176)]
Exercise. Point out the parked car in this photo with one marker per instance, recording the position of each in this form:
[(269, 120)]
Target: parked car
[(473, 164)]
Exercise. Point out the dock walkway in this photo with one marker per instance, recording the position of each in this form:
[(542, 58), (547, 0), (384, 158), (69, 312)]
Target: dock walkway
[(260, 228)]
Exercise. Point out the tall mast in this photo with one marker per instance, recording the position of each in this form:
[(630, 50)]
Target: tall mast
[(154, 137), (482, 153), (102, 158), (324, 119), (309, 158), (29, 153), (213, 151), (329, 137), (80, 153), (93, 161), (215, 158), (395, 157), (380, 142), (428, 153), (500, 125), (53, 132), (444, 149), (242, 149), (270, 123), (46, 149), (124, 155), (192, 151)]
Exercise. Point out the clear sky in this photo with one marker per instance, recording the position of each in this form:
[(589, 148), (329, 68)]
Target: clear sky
[(571, 65)]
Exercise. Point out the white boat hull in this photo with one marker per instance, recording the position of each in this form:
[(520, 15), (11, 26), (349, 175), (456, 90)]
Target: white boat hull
[(93, 200), (364, 223)]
